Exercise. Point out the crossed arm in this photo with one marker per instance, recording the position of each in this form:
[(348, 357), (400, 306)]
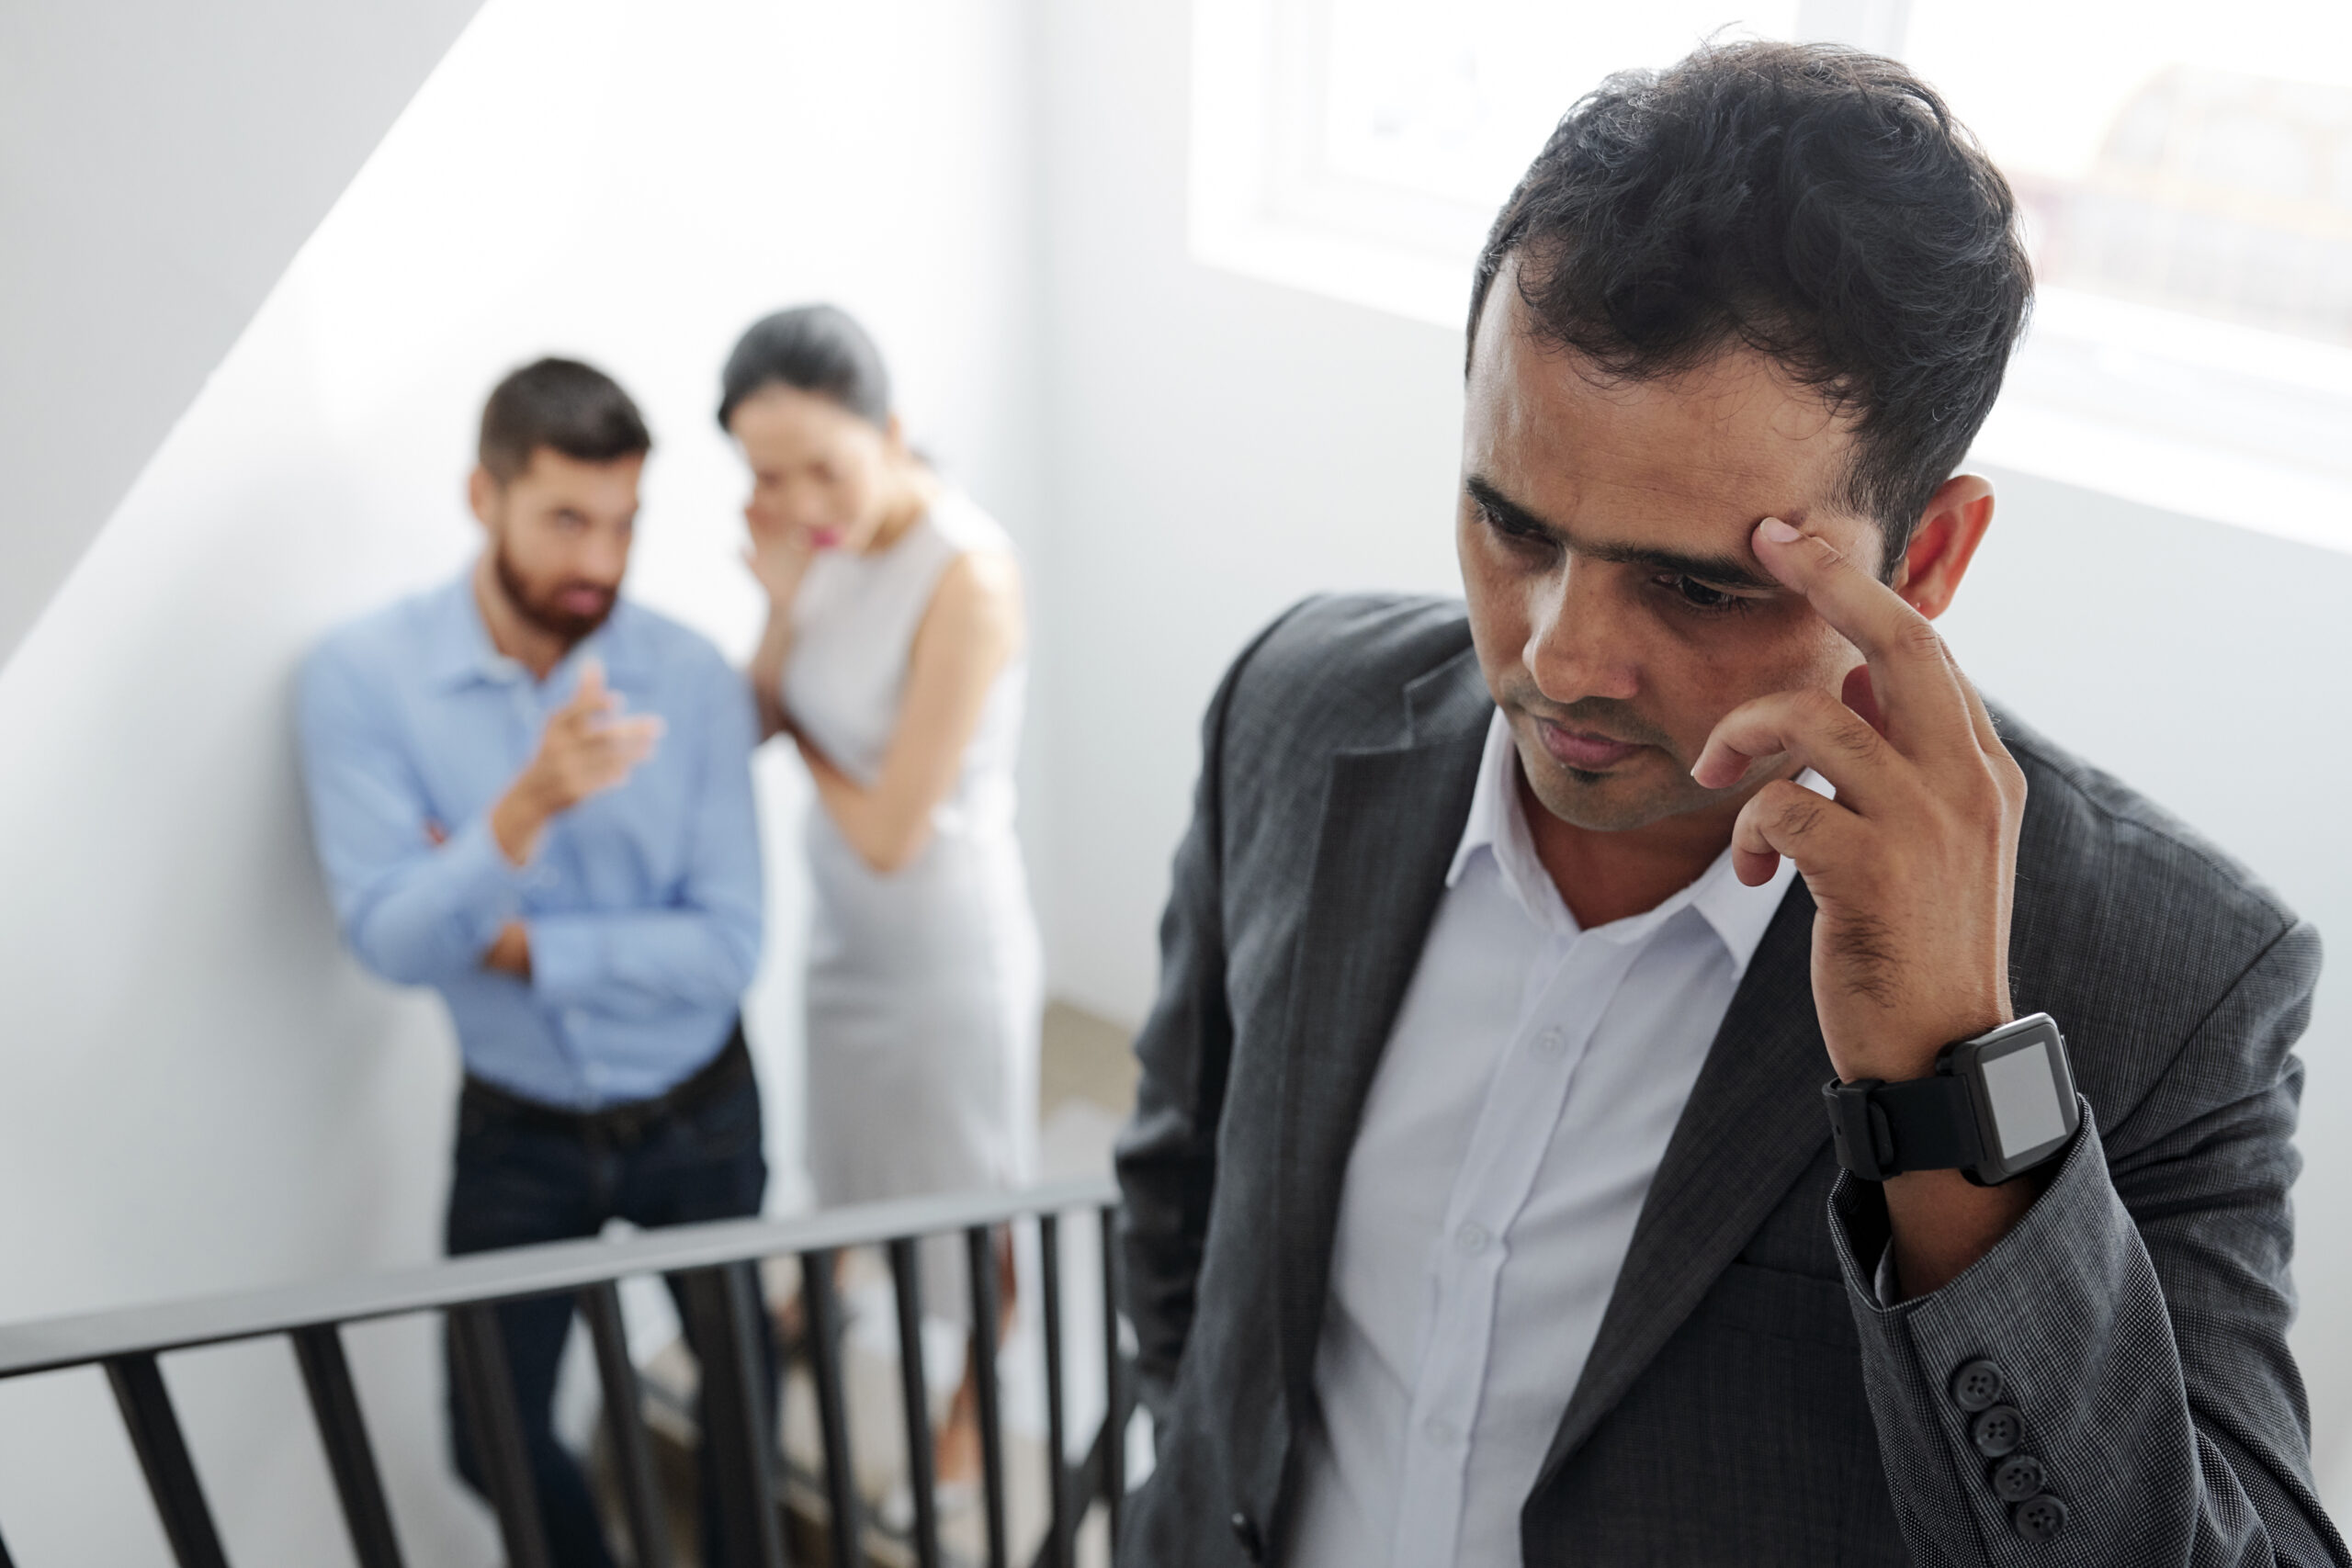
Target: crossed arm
[(422, 903)]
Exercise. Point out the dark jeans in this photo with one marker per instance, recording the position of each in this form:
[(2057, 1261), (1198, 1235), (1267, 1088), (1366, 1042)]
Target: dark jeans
[(522, 1178)]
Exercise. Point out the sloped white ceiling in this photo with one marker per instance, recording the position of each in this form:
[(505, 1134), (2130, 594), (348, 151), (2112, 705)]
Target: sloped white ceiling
[(160, 163)]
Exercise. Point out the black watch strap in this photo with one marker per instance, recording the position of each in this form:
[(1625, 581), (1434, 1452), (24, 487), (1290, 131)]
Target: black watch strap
[(1884, 1129)]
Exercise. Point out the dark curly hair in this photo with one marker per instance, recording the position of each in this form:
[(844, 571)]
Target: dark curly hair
[(1814, 203)]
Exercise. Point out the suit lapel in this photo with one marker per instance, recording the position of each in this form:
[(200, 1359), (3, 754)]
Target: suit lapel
[(1391, 821), (1753, 1122)]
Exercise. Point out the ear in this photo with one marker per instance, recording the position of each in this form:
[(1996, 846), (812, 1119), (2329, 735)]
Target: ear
[(894, 434), (1944, 543), (482, 493)]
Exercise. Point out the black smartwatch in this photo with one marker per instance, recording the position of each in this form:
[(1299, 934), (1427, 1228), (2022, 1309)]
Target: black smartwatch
[(1996, 1106)]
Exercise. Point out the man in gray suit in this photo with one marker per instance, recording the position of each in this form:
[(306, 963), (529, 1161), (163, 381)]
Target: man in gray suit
[(1482, 1199)]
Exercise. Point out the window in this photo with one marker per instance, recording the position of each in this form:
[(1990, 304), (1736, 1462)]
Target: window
[(2185, 169)]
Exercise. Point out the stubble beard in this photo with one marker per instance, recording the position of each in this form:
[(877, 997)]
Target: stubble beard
[(1628, 796), (540, 609)]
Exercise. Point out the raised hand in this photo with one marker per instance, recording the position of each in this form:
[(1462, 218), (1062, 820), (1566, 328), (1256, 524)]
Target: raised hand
[(778, 557), (588, 746), (1912, 866)]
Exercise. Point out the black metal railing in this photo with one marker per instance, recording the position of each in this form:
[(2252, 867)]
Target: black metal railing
[(716, 1266)]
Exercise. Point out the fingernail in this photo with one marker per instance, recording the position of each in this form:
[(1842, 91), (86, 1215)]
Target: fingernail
[(1779, 533)]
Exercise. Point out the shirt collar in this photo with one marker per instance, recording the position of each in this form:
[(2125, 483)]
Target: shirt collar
[(462, 653), (1738, 913)]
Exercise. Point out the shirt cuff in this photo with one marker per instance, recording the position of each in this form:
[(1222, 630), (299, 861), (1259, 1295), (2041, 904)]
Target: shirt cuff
[(567, 958), (486, 887)]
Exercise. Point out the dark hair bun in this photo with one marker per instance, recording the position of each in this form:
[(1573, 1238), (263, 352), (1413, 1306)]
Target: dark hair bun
[(814, 348)]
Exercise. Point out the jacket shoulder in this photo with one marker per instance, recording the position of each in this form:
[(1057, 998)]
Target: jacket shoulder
[(1330, 671), (2140, 935)]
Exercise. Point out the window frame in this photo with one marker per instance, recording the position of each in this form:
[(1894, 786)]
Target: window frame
[(2180, 411)]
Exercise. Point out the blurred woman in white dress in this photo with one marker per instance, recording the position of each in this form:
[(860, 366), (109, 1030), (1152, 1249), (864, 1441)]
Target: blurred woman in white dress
[(894, 660)]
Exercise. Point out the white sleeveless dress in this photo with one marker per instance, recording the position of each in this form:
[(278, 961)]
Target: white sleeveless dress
[(925, 987)]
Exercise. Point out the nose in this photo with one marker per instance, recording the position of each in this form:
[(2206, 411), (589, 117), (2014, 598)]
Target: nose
[(1581, 638), (605, 556)]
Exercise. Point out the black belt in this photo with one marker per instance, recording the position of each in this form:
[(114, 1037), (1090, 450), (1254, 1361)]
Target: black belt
[(624, 1126)]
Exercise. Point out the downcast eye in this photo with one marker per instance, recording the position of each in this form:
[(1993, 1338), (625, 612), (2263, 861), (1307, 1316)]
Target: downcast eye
[(1700, 596)]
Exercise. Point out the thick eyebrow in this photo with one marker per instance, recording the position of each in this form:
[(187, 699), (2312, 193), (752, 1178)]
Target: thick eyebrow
[(1724, 572)]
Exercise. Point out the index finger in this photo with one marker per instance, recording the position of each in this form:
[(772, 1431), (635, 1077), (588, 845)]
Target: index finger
[(1917, 689), (589, 694)]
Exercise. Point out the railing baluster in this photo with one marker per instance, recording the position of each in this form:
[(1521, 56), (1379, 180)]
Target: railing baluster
[(486, 1399), (832, 1404), (980, 1242), (1049, 1252), (162, 1455), (712, 1267), (738, 1428), (335, 1404), (906, 1279), (1115, 1408), (648, 1527)]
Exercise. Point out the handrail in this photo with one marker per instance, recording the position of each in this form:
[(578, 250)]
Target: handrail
[(710, 1265), (41, 1344)]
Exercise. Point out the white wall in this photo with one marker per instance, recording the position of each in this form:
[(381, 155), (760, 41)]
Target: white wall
[(1224, 446), (198, 1090), (219, 136)]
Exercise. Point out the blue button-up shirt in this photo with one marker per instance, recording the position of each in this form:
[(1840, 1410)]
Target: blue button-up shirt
[(642, 903)]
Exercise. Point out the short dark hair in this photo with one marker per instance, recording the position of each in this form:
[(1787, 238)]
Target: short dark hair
[(1812, 202), (814, 348), (574, 409)]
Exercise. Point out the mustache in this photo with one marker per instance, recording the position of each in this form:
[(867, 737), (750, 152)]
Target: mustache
[(1611, 717)]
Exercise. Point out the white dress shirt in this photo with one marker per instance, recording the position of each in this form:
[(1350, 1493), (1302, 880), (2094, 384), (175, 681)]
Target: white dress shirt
[(1530, 1082)]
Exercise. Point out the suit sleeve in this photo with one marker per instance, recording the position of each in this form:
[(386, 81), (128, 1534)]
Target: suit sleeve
[(2137, 1319), (1166, 1156)]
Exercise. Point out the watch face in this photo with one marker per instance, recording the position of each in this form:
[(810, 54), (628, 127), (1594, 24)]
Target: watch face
[(2029, 1111)]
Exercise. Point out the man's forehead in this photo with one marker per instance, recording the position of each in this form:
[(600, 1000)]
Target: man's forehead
[(1704, 452)]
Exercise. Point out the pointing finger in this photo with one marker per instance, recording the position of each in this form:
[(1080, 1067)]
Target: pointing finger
[(1912, 677), (589, 696)]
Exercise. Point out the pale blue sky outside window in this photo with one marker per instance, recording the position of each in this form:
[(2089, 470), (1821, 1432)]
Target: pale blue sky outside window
[(2186, 167)]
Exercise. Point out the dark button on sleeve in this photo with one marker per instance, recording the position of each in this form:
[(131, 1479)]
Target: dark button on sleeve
[(1245, 1530), (2040, 1518), (2016, 1478), (1977, 1386), (1997, 1432)]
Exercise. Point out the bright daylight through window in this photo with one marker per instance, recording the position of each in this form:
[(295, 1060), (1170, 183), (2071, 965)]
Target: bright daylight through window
[(2185, 168)]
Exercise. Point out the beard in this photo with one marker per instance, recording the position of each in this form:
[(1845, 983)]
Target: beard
[(1634, 794), (543, 606)]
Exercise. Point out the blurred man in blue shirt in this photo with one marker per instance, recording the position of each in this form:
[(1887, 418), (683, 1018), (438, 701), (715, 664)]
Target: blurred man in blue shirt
[(535, 797)]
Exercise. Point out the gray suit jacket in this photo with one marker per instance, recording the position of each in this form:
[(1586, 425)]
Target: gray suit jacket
[(1749, 1401)]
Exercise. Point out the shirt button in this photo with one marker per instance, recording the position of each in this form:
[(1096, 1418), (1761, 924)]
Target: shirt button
[(1441, 1433), (1471, 1238), (1551, 1043)]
